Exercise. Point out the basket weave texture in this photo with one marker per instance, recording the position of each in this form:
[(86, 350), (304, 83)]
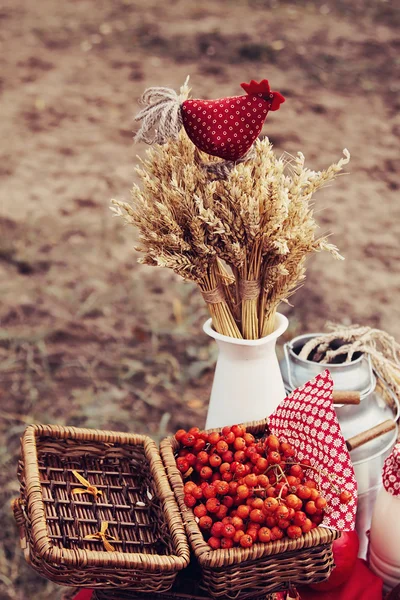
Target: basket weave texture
[(129, 595), (263, 568), (136, 501)]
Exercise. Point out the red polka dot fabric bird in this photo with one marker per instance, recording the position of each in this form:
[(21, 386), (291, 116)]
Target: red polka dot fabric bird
[(226, 127)]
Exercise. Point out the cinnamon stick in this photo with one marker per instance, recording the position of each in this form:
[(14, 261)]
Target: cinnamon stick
[(340, 397), (370, 434)]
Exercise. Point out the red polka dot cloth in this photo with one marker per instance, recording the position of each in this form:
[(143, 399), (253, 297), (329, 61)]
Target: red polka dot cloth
[(228, 127), (391, 472), (307, 420)]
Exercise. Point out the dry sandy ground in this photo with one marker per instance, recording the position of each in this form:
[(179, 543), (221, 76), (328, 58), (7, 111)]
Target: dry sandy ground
[(86, 335)]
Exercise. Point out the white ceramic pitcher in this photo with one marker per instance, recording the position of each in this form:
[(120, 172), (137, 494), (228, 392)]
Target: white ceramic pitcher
[(248, 384)]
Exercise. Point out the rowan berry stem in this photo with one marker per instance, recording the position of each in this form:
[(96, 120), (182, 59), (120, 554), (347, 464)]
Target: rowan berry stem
[(319, 471)]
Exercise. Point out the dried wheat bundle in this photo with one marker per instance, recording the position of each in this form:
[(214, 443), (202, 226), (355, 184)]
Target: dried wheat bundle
[(243, 238)]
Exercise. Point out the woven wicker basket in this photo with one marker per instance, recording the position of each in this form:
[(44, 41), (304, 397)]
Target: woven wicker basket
[(136, 502), (263, 568)]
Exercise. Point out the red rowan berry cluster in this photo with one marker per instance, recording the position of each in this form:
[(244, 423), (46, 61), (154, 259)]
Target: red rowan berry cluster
[(244, 489)]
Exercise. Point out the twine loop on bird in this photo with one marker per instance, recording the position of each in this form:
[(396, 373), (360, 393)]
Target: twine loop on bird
[(214, 296), (162, 112), (249, 289)]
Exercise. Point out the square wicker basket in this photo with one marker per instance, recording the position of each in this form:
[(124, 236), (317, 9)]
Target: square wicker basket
[(263, 568), (147, 544)]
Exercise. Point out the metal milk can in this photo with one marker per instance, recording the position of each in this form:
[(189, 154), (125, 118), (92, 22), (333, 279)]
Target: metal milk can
[(373, 409)]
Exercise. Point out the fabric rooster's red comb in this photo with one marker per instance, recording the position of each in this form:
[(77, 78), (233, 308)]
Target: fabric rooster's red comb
[(262, 89), (226, 127)]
